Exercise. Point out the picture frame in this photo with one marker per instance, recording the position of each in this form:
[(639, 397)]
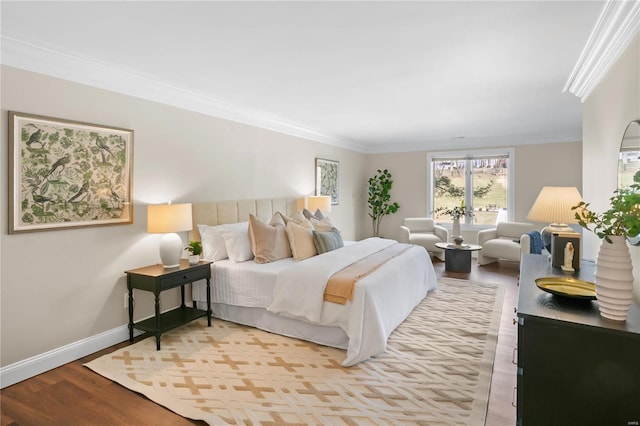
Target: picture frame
[(328, 179), (68, 174)]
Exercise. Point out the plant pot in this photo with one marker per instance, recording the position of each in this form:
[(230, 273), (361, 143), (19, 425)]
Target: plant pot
[(194, 259), (614, 278)]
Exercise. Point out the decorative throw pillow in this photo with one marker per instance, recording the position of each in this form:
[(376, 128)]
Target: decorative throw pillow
[(301, 241), (213, 246), (269, 241), (297, 218), (327, 241), (317, 215), (323, 225), (236, 240)]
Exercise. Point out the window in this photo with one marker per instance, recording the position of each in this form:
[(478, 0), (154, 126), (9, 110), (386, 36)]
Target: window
[(480, 181)]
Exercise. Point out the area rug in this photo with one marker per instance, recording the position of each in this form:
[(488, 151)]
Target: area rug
[(436, 369)]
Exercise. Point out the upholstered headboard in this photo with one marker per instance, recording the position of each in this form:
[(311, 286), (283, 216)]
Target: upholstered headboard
[(234, 211)]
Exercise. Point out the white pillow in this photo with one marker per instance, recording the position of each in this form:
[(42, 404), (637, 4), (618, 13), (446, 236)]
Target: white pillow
[(213, 246), (237, 242)]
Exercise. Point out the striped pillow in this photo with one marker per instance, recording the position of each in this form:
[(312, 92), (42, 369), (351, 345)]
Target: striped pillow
[(327, 241)]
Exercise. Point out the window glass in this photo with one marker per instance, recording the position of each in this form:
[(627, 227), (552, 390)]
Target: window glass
[(477, 183)]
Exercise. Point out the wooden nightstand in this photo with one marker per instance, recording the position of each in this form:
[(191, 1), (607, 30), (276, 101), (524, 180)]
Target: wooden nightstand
[(156, 279)]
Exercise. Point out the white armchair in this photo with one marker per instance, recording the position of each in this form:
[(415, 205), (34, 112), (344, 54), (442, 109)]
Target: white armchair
[(424, 232), (508, 240)]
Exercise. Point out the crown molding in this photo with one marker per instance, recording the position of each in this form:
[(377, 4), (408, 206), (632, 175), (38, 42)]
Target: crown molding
[(480, 142), (617, 25), (45, 60)]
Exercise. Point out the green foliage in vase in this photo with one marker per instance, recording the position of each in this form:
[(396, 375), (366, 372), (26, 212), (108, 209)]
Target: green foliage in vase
[(380, 198), (194, 247), (622, 218), (455, 212)]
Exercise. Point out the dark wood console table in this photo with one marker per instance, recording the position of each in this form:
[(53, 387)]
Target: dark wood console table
[(574, 367)]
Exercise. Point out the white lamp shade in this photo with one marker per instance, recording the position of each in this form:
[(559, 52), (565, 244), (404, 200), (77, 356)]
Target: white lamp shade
[(168, 219), (163, 218), (554, 203), (319, 202)]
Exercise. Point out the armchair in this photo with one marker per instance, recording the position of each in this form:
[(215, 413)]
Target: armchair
[(508, 240), (424, 232)]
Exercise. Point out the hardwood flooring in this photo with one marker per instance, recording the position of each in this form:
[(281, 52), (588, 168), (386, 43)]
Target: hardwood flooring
[(74, 395)]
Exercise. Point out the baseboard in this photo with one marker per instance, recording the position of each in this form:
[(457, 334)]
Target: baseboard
[(46, 361)]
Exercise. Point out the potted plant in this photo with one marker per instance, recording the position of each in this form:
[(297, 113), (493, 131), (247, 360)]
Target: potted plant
[(455, 213), (379, 198), (614, 269), (195, 250), (621, 219)]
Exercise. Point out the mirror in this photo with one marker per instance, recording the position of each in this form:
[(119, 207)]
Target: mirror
[(629, 161)]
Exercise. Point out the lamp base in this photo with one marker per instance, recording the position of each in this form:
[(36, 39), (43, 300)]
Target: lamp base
[(551, 229), (171, 250)]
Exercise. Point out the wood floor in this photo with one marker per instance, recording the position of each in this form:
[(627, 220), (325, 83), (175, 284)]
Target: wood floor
[(74, 395)]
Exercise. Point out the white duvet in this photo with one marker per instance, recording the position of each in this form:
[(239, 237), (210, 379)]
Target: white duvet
[(381, 301), (293, 292)]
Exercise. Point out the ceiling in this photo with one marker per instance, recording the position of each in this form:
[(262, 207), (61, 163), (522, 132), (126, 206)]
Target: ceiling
[(370, 76)]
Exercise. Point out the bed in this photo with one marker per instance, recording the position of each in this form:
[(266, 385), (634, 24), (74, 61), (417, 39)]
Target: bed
[(282, 296)]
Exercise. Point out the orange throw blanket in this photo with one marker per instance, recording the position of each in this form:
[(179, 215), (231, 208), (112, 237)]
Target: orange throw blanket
[(341, 284)]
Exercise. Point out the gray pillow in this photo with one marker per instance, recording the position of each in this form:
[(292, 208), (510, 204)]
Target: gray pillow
[(327, 241), (317, 215)]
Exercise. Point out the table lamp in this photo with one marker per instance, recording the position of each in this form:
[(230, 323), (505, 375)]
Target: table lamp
[(168, 219), (553, 206), (319, 202)]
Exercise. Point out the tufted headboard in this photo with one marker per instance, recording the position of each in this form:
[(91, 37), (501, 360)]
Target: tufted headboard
[(234, 211)]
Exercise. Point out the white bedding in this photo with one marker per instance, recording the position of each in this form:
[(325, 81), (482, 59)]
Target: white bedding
[(382, 300)]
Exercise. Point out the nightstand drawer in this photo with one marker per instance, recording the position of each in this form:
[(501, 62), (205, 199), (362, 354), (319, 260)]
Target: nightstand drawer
[(185, 277)]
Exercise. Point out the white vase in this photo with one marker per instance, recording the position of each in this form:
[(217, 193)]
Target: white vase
[(455, 231), (614, 278), (194, 259)]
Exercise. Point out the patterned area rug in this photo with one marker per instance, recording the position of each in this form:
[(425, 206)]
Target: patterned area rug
[(436, 370)]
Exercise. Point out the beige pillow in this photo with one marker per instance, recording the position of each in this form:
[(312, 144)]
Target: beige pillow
[(323, 225), (301, 241), (297, 218), (269, 241)]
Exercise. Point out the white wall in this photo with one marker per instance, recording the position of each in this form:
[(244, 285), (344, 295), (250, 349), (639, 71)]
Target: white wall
[(553, 164), (606, 114), (59, 287)]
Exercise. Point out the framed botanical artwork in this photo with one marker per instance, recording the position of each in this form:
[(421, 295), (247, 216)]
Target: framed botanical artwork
[(327, 179), (66, 174)]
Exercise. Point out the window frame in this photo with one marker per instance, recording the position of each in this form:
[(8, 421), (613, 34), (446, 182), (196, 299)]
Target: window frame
[(469, 155)]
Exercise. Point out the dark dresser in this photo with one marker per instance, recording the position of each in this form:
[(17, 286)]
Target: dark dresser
[(574, 367)]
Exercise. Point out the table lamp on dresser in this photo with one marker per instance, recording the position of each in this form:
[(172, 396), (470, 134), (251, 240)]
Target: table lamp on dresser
[(553, 206)]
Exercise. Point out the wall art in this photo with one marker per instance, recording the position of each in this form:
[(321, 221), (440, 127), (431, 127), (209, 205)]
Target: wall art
[(327, 179), (65, 174)]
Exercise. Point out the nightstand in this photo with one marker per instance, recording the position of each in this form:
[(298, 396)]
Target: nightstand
[(156, 279)]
